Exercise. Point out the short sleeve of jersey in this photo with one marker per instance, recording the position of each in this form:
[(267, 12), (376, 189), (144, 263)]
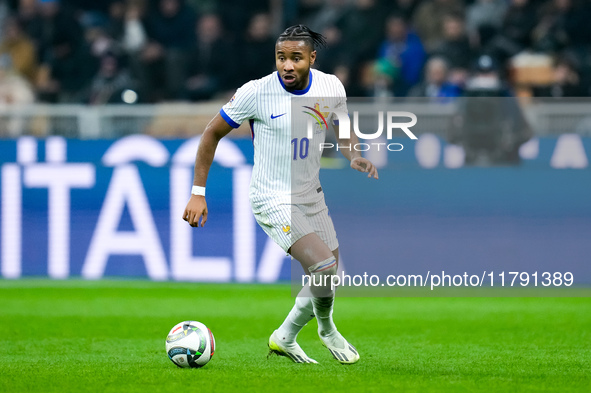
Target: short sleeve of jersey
[(341, 100), (240, 107)]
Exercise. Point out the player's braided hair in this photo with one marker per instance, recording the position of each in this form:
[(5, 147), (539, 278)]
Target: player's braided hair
[(303, 33)]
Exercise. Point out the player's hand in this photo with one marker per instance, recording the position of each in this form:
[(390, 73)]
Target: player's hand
[(197, 207), (364, 165)]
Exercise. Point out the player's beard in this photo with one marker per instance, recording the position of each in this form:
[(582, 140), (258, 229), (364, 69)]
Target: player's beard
[(299, 82)]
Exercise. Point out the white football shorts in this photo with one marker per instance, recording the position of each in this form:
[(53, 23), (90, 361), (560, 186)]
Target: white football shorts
[(287, 223)]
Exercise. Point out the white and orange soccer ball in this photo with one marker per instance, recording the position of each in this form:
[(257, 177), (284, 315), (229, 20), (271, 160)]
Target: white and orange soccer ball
[(190, 344)]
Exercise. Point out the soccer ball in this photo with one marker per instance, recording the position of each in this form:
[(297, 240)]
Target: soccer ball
[(190, 344)]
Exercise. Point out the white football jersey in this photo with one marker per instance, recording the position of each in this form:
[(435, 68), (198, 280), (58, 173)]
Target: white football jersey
[(286, 160)]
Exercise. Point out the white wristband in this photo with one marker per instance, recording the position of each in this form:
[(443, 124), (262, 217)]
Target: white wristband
[(198, 190)]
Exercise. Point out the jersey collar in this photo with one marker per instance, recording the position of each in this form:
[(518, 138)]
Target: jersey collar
[(297, 92)]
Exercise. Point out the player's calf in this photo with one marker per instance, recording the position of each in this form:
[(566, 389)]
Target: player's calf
[(323, 294), (323, 300)]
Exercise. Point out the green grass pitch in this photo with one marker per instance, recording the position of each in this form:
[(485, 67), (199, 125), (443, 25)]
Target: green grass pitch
[(108, 336)]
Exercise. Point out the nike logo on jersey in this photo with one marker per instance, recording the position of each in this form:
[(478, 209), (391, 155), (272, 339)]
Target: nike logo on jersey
[(275, 117)]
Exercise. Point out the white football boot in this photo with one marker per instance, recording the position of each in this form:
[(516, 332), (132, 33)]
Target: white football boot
[(290, 350), (340, 348)]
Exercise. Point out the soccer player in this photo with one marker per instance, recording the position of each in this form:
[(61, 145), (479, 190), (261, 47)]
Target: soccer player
[(300, 223)]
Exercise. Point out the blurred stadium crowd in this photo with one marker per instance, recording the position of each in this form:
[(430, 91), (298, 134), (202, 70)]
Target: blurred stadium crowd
[(90, 51)]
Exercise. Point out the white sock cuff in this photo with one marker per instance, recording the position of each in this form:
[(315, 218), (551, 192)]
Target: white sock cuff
[(328, 266)]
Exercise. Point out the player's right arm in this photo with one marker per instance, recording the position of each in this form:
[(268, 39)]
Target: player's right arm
[(197, 206), (241, 107)]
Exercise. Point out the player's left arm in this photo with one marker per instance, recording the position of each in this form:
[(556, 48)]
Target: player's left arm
[(358, 162)]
